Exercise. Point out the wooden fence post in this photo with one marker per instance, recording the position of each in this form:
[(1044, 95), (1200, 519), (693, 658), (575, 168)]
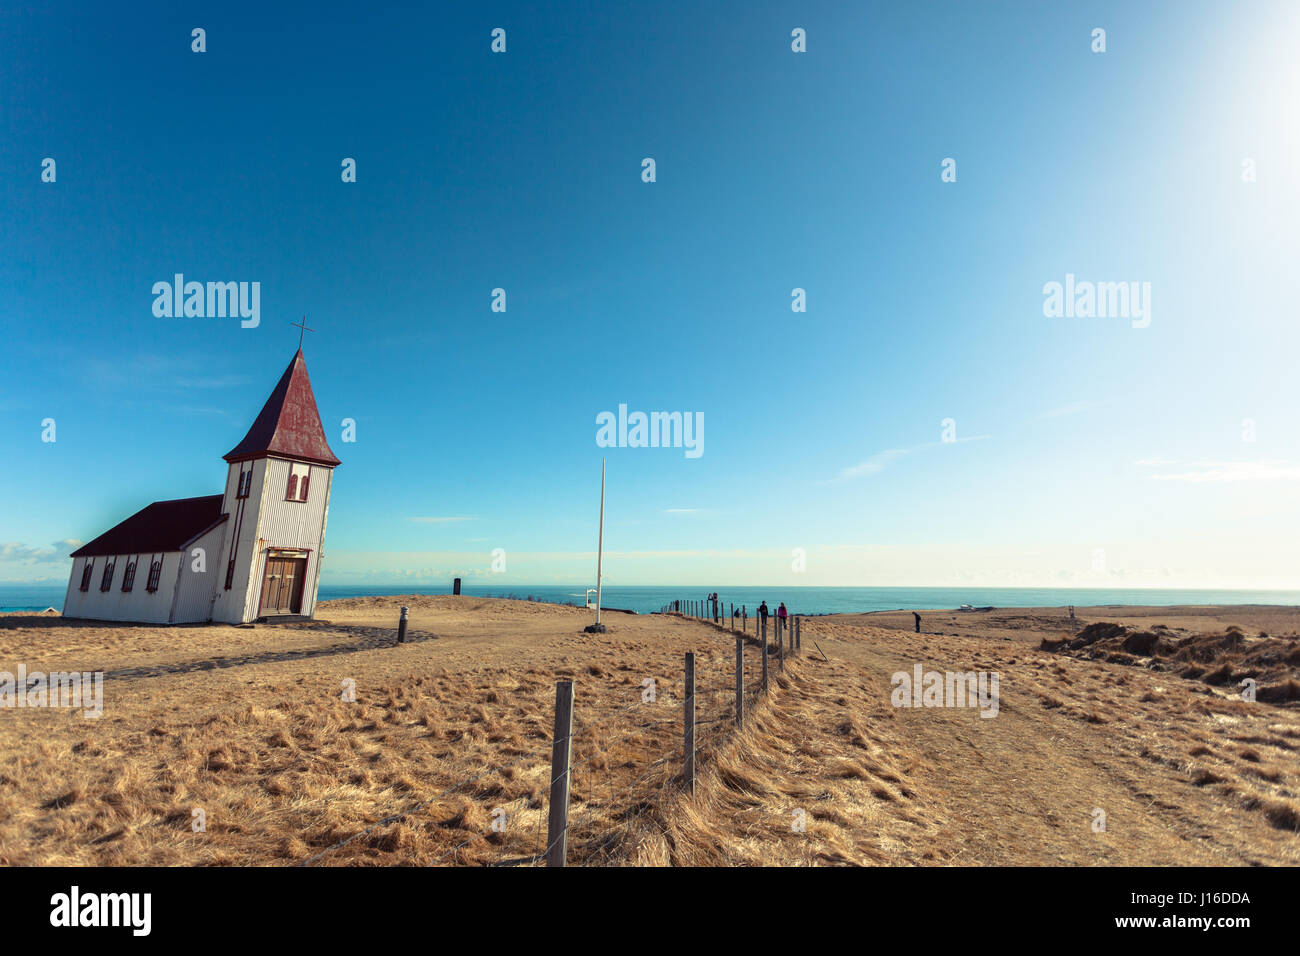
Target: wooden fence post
[(740, 682), (762, 644), (780, 644), (798, 643), (744, 618), (557, 831), (689, 724)]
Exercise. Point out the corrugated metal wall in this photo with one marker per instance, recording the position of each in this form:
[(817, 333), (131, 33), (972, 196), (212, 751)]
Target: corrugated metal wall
[(229, 606), (194, 589), (115, 605), (289, 524)]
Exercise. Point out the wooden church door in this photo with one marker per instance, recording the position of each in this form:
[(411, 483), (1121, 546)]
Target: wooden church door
[(283, 585)]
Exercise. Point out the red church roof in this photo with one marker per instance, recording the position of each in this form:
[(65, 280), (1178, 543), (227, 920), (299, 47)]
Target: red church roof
[(289, 424), (162, 526)]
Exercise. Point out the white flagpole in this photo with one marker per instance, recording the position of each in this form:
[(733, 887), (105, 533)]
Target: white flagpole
[(600, 542)]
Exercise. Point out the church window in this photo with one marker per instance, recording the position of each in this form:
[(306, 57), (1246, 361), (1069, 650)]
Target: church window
[(128, 576), (245, 483), (106, 581), (155, 572), (86, 571), (299, 475)]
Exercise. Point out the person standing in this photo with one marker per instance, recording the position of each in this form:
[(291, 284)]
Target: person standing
[(762, 612), (782, 613)]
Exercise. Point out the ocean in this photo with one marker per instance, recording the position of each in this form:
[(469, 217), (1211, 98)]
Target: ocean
[(799, 600)]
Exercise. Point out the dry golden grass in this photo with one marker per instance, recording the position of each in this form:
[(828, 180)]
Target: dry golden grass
[(248, 725)]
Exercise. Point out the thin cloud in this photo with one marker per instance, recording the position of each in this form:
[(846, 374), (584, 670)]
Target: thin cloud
[(875, 464), (883, 459), (57, 551)]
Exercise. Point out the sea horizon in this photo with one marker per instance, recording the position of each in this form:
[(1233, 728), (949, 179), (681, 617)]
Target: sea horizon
[(805, 599)]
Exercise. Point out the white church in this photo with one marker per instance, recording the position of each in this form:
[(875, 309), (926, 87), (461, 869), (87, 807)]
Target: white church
[(252, 552)]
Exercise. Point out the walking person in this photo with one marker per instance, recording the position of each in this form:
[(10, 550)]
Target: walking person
[(762, 612), (782, 613)]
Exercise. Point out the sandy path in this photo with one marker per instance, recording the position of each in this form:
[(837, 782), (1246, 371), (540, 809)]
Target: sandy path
[(1020, 788)]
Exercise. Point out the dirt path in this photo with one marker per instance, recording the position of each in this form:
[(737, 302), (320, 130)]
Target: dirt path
[(1071, 737)]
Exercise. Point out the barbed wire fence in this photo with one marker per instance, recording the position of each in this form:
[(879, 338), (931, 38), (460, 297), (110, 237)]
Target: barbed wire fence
[(706, 711)]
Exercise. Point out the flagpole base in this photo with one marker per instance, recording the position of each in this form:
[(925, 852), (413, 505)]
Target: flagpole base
[(595, 629)]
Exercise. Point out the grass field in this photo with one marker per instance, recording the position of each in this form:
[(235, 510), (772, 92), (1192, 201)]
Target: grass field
[(248, 725)]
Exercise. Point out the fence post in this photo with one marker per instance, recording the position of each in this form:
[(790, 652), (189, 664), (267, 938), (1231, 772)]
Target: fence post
[(689, 722), (731, 618), (401, 627), (780, 644), (744, 617), (740, 682), (798, 641), (557, 831), (762, 644)]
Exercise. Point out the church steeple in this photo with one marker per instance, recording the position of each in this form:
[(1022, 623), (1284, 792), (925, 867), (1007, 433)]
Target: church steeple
[(289, 424)]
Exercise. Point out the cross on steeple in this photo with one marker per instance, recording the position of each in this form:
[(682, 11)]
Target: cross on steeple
[(303, 327)]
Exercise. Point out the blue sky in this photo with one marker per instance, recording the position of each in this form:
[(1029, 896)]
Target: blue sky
[(774, 170)]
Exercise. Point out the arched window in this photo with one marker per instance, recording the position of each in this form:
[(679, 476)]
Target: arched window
[(292, 492), (106, 581), (155, 572), (128, 576), (302, 488), (86, 570)]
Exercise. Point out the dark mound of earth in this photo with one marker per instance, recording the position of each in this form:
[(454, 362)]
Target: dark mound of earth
[(1226, 659)]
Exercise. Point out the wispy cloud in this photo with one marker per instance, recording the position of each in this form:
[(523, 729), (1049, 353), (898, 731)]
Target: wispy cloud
[(57, 551), (883, 459), (1220, 471), (875, 464), (446, 520)]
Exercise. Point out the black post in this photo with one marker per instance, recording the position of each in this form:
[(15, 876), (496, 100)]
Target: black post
[(455, 586), (401, 627), (689, 724)]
